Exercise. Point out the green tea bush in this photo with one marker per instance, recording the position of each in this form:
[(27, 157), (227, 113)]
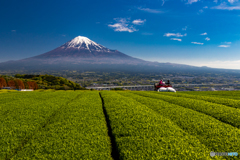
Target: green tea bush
[(224, 101), (21, 115), (221, 112), (141, 133), (77, 131), (214, 134)]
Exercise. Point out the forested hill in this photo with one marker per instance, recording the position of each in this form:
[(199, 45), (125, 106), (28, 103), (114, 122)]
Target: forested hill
[(42, 81)]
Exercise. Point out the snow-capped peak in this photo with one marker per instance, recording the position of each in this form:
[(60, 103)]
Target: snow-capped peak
[(81, 42)]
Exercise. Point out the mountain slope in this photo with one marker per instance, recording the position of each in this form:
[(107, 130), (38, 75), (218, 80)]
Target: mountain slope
[(81, 49), (83, 53)]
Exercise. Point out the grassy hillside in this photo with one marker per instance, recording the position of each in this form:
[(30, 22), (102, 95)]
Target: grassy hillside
[(118, 125)]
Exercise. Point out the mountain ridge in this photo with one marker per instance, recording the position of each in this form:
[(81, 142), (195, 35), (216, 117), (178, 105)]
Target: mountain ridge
[(81, 52), (81, 49)]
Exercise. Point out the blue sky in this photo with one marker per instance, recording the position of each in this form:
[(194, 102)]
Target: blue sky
[(194, 32)]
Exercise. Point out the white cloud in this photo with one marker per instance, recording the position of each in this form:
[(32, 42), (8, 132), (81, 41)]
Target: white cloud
[(174, 34), (192, 1), (13, 30), (176, 39), (216, 1), (163, 1), (223, 64), (228, 42), (201, 11), (139, 21), (150, 10), (205, 7), (224, 6), (197, 43), (185, 28), (224, 46), (232, 1), (207, 39), (122, 25), (203, 34)]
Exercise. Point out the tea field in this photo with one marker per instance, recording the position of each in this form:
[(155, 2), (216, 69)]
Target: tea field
[(135, 125)]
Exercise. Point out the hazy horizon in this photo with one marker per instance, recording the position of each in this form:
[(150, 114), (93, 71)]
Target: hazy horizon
[(191, 32)]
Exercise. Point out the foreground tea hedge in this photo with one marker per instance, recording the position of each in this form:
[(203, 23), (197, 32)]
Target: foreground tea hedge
[(115, 125), (214, 134), (77, 131), (221, 112), (25, 115), (224, 101), (141, 133), (219, 94)]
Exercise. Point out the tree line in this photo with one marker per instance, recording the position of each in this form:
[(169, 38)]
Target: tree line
[(15, 83), (26, 81), (51, 82)]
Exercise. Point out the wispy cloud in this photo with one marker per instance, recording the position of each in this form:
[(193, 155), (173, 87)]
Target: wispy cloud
[(192, 1), (149, 10), (224, 46), (197, 43), (224, 6), (122, 25), (13, 30), (232, 1), (139, 21), (216, 1), (202, 10), (163, 1), (185, 28), (203, 34), (207, 39), (228, 42), (176, 39), (174, 34)]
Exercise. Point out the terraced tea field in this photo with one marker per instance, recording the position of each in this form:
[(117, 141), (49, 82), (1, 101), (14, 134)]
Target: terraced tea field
[(119, 125)]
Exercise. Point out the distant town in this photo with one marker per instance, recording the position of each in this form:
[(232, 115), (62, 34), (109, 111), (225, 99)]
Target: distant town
[(184, 82), (180, 81)]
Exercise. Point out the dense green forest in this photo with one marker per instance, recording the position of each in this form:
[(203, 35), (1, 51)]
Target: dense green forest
[(26, 81)]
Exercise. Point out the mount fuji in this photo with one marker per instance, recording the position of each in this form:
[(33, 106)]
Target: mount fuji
[(83, 50), (81, 53)]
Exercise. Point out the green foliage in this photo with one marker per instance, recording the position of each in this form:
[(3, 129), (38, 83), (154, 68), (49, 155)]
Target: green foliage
[(219, 94), (224, 101), (224, 137), (6, 90), (221, 112), (141, 133), (24, 114), (40, 90), (77, 131), (51, 82), (51, 124)]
